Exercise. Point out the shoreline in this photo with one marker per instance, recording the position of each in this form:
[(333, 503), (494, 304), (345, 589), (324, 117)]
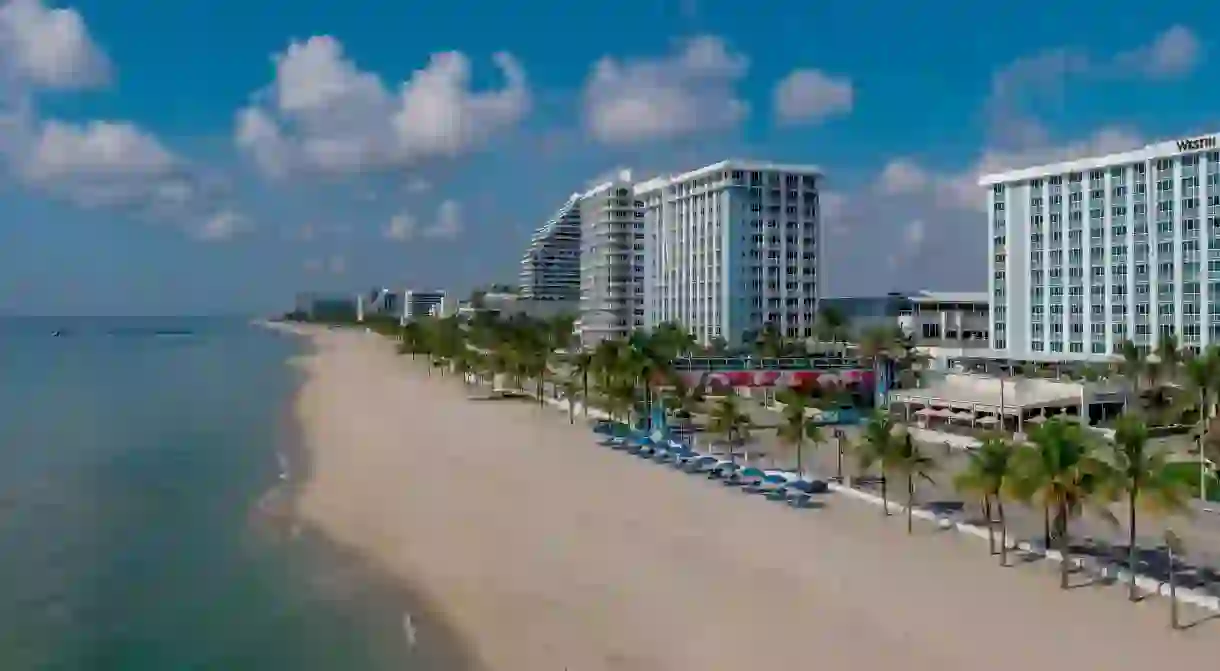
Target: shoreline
[(427, 641), (614, 563)]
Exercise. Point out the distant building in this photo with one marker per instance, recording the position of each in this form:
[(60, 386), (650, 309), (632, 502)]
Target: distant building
[(942, 324), (949, 324), (867, 312), (508, 305), (327, 307), (550, 267), (421, 304)]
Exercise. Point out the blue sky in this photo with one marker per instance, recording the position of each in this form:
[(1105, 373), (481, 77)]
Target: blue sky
[(202, 157)]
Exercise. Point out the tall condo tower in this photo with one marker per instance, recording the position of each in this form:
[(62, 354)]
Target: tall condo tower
[(611, 261), (732, 247)]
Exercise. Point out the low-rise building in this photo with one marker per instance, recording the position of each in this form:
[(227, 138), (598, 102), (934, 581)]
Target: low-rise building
[(420, 304)]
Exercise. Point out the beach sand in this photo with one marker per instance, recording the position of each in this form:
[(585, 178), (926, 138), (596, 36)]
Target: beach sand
[(544, 551)]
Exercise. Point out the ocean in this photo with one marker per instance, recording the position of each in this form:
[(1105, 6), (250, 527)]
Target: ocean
[(146, 469)]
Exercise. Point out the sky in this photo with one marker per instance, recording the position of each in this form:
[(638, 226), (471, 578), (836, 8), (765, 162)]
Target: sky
[(217, 156)]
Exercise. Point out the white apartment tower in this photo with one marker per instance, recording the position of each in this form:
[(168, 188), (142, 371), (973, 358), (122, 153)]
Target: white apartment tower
[(732, 247), (1088, 253), (612, 283), (550, 267)]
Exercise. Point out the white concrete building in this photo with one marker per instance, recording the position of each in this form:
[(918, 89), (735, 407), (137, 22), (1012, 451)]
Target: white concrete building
[(550, 267), (1088, 253), (419, 304), (611, 261), (733, 246)]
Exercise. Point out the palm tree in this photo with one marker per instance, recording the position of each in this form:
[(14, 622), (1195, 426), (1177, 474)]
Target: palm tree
[(581, 364), (1201, 377), (728, 420), (1142, 474), (832, 325), (770, 342), (876, 447), (884, 345), (907, 459), (569, 387), (1062, 474), (985, 475), (795, 426)]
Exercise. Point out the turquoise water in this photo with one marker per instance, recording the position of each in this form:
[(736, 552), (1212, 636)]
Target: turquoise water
[(142, 523)]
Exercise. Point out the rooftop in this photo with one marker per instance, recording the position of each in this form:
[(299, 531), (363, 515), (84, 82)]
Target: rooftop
[(951, 297), (1184, 145), (661, 181)]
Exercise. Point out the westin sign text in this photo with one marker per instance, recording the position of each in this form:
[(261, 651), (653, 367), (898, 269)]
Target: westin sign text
[(1195, 144)]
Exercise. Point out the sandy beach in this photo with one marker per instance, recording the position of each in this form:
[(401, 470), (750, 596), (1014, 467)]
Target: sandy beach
[(542, 551)]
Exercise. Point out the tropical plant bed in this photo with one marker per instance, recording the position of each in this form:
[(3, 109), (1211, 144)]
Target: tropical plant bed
[(1189, 471)]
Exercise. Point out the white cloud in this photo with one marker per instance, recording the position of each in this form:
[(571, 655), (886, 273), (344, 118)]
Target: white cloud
[(323, 113), (911, 243), (448, 224), (402, 227), (834, 211), (901, 176), (96, 148), (222, 226), (811, 96), (1173, 53), (49, 48), (418, 185), (683, 93), (1023, 85)]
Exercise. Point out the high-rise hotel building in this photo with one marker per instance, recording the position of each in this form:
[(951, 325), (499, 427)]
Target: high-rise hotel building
[(732, 247), (1089, 253), (550, 267), (612, 281)]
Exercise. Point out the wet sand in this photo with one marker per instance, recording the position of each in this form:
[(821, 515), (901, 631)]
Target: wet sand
[(543, 551)]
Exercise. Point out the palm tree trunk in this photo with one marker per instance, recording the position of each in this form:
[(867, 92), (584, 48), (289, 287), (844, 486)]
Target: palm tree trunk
[(1046, 527), (999, 502), (910, 502), (584, 392), (800, 470), (839, 447), (1202, 441), (1173, 590), (1061, 523), (1131, 550), (990, 524), (885, 501)]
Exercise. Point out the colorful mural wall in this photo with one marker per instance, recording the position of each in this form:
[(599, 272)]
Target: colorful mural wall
[(802, 380)]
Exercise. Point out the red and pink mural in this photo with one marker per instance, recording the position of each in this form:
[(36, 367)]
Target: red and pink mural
[(803, 380)]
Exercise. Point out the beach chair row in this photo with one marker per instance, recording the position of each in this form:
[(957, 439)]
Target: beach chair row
[(778, 485)]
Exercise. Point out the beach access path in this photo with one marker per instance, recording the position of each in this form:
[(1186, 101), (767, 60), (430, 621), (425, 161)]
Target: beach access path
[(545, 551)]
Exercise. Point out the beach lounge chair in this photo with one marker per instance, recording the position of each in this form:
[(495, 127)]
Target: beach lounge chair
[(682, 457), (722, 469), (746, 477), (702, 463), (773, 484), (795, 493), (669, 454), (682, 460)]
